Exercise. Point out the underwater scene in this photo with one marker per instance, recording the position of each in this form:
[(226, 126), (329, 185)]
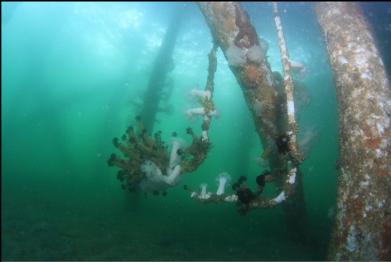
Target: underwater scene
[(143, 131)]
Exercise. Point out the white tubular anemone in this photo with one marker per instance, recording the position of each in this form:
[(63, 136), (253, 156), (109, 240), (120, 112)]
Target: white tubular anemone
[(199, 111), (152, 171), (231, 198), (173, 176), (206, 94), (205, 135), (177, 143), (154, 178), (281, 197), (222, 180), (292, 176), (204, 194), (214, 113)]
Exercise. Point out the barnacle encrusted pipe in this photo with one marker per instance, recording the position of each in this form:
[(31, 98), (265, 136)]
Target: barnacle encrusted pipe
[(207, 111), (288, 88), (363, 220), (232, 31)]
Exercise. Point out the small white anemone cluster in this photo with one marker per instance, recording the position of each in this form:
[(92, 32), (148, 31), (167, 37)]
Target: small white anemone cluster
[(201, 111), (206, 94), (154, 178), (291, 180), (204, 193), (238, 56), (223, 180)]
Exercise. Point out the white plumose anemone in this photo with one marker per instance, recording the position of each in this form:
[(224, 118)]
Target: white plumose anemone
[(176, 144), (223, 179), (200, 111), (154, 179), (206, 94), (204, 193), (195, 111)]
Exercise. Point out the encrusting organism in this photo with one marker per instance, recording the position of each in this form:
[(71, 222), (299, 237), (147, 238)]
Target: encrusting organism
[(148, 164), (269, 97)]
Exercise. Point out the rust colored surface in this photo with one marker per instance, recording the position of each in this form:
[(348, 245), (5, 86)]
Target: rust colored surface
[(362, 230), (232, 30)]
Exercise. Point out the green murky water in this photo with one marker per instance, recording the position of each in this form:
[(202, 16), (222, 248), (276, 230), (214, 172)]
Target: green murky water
[(73, 76)]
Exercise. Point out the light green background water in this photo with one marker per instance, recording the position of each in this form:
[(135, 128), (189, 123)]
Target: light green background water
[(69, 72)]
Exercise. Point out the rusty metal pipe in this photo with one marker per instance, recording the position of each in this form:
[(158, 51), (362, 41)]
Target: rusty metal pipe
[(363, 221)]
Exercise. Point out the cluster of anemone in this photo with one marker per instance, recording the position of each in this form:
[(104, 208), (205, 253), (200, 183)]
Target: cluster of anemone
[(137, 147), (244, 197), (206, 111), (222, 182), (242, 194), (204, 98), (147, 163)]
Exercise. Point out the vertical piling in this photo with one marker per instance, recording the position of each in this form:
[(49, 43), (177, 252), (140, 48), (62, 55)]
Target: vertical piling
[(232, 30), (237, 38), (161, 67), (363, 221)]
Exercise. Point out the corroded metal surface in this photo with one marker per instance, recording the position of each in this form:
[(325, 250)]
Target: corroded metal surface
[(233, 32), (288, 88), (363, 225)]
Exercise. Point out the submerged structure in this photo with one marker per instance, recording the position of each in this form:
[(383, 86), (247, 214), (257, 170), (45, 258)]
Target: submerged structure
[(363, 224), (148, 164), (163, 64)]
